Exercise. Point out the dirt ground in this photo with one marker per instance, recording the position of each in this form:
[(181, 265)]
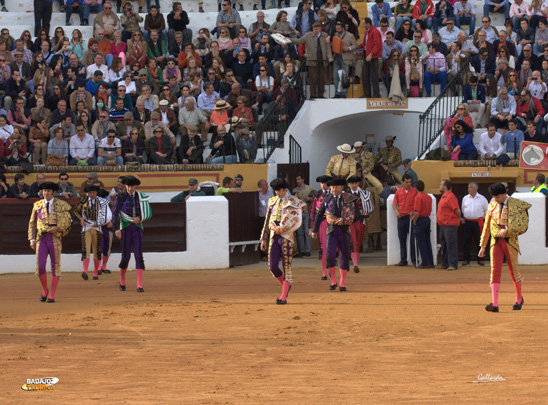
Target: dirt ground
[(217, 337)]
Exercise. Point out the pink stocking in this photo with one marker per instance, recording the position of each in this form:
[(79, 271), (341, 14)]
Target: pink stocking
[(105, 261), (332, 271), (355, 258), (343, 276), (495, 288), (517, 286), (123, 276), (285, 289), (86, 265), (54, 282), (97, 266), (139, 278), (281, 279), (324, 267), (44, 281)]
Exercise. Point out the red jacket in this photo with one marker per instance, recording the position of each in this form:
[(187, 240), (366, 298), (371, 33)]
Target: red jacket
[(525, 109), (429, 9), (374, 43)]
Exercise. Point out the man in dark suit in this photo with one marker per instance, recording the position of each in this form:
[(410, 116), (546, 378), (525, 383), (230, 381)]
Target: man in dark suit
[(22, 67), (161, 148), (503, 40), (483, 65), (140, 113), (243, 69), (474, 97), (123, 128), (191, 149), (528, 54), (61, 112)]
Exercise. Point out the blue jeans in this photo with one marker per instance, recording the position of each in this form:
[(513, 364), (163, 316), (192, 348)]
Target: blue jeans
[(89, 8), (421, 232), (436, 23), (504, 9), (471, 21), (428, 77), (69, 10), (101, 160), (157, 4), (108, 59), (227, 159), (399, 22)]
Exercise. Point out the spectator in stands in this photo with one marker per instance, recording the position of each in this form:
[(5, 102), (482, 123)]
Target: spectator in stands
[(349, 17), (35, 191), (265, 85), (69, 129), (207, 99), (394, 60), (304, 19), (413, 72), (525, 35), (104, 46), (116, 114), (526, 73), (191, 149), (423, 10), (66, 188), (134, 147), (467, 45), (474, 97), (82, 148), (344, 59), (503, 109), (154, 21), (532, 135), (442, 14), (503, 53), (58, 145), (193, 190), (168, 116), (151, 125), (192, 116), (177, 21), (107, 20), (403, 12), (90, 6), (19, 189), (490, 145), (492, 33), (462, 142), (529, 108), (258, 28), (81, 95), (512, 139), (391, 44), (418, 43), (246, 143), (483, 65), (495, 7), (38, 138), (125, 127), (42, 15), (465, 14), (503, 40), (110, 150), (455, 60), (161, 148), (436, 69), (518, 10), (223, 148), (157, 49), (20, 47), (372, 51), (541, 37), (5, 73), (60, 112), (140, 113), (97, 65), (449, 33), (16, 148), (129, 21), (537, 86), (19, 116), (229, 19), (282, 26), (137, 50), (41, 112), (15, 87), (382, 10)]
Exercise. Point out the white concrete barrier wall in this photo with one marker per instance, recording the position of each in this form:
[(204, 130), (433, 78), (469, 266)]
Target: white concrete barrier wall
[(392, 241), (203, 231)]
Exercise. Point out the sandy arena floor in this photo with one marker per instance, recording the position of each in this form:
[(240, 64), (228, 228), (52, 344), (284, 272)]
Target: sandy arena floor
[(217, 337)]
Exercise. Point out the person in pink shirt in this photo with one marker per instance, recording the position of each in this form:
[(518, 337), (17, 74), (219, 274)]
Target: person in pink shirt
[(436, 69)]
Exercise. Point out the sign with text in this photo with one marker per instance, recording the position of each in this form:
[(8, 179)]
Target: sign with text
[(534, 154), (386, 103), (480, 174)]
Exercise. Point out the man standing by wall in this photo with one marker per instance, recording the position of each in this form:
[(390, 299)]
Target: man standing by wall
[(305, 193), (474, 207), (421, 226), (403, 204), (448, 219)]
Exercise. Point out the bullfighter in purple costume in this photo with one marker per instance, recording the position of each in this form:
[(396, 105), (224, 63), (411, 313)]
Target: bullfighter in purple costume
[(338, 208), (131, 209)]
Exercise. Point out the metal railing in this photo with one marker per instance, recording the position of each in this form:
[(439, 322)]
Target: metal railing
[(431, 122), (295, 151)]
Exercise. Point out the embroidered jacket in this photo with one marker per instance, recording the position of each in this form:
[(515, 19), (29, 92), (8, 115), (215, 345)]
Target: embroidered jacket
[(332, 212), (341, 168), (94, 217), (40, 222), (513, 217), (285, 212)]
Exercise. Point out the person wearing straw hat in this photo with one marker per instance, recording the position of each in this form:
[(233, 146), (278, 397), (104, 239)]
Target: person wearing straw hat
[(339, 210), (390, 157), (367, 163), (343, 165), (219, 116), (283, 218), (93, 213), (131, 209), (50, 221)]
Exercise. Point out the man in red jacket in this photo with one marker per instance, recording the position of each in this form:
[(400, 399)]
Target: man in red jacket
[(529, 108), (372, 51)]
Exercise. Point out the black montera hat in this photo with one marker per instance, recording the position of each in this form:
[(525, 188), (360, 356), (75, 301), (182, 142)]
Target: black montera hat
[(132, 181)]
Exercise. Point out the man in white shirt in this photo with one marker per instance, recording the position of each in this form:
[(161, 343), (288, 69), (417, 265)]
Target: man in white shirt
[(110, 150), (97, 65), (474, 207), (82, 148), (536, 86), (490, 145), (449, 33)]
